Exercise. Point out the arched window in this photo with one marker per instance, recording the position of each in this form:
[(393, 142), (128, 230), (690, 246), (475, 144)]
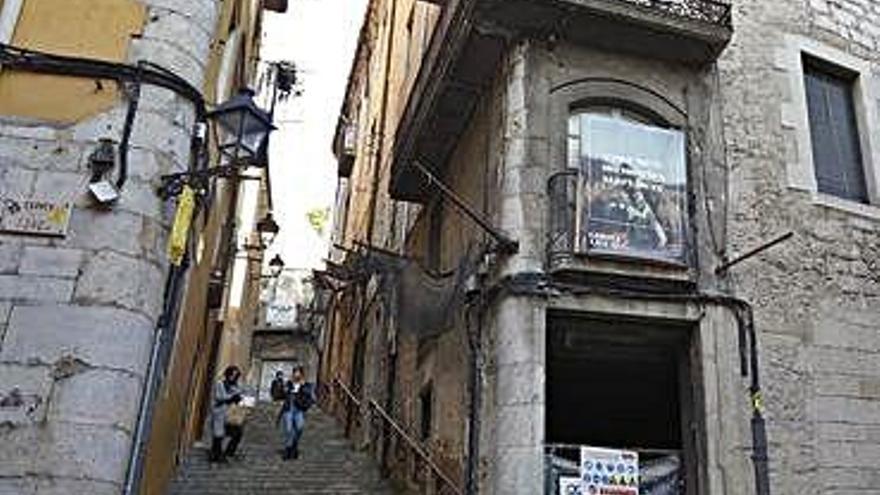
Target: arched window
[(631, 192)]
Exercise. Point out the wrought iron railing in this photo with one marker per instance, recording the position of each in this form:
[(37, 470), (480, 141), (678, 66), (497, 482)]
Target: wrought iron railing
[(436, 481), (710, 11), (562, 230)]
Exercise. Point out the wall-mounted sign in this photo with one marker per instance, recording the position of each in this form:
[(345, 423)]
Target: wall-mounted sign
[(609, 472), (34, 216)]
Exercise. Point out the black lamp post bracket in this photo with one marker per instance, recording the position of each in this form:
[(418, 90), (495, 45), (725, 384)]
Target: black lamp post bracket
[(200, 180)]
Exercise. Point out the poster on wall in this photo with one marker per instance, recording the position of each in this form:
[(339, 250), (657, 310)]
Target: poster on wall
[(609, 472), (570, 485), (632, 188)]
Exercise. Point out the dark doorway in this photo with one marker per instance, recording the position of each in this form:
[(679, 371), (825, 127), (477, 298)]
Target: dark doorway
[(623, 384)]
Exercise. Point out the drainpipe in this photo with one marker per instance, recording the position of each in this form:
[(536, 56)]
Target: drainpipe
[(475, 389), (134, 473)]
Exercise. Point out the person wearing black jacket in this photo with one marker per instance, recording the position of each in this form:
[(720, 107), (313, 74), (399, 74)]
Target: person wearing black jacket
[(299, 397)]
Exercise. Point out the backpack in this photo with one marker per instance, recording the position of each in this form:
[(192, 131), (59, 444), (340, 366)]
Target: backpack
[(277, 390)]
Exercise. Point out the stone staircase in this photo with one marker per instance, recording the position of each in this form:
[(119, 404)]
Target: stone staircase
[(327, 464)]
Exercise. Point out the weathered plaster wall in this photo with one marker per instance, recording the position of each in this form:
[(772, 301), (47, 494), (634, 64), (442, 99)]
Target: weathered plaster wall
[(44, 25), (816, 295), (79, 312)]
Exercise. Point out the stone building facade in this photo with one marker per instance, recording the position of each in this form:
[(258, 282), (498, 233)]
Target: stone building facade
[(94, 322), (632, 150)]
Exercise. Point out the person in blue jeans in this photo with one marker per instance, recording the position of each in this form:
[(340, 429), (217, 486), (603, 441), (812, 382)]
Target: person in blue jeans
[(299, 398)]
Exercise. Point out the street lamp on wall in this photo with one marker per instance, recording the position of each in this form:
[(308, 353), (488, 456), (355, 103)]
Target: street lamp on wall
[(242, 130), (276, 266), (268, 229), (242, 127)]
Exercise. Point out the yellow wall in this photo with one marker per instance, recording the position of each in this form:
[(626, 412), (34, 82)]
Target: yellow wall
[(87, 28)]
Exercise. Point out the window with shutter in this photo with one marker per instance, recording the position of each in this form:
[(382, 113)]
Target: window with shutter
[(837, 155)]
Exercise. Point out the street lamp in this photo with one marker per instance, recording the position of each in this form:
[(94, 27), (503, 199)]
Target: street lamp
[(242, 126), (276, 266), (242, 129), (268, 229)]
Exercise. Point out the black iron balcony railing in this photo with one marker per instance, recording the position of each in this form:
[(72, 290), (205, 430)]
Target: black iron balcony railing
[(562, 190), (711, 11)]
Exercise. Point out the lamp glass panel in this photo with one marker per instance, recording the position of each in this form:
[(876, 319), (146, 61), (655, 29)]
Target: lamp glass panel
[(254, 132)]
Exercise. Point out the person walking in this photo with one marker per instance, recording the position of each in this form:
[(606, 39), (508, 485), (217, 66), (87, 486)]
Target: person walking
[(226, 393), (276, 390), (299, 398)]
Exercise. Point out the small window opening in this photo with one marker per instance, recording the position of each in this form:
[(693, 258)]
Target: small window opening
[(426, 409)]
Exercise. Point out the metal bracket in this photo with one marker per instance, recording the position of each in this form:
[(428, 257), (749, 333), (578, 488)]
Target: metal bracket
[(172, 184)]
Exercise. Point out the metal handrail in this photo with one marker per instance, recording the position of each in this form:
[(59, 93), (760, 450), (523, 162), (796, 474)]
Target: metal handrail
[(424, 456), (348, 393)]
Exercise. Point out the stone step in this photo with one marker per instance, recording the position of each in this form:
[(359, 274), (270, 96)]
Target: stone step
[(327, 465)]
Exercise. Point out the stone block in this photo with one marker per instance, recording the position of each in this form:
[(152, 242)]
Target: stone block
[(10, 256), (18, 486), (24, 393), (96, 230), (520, 384), (520, 426), (68, 486), (117, 280), (83, 451), (62, 187), (14, 180), (20, 451), (168, 134), (203, 13), (182, 31), (51, 261), (106, 337), (519, 332), (74, 399), (170, 55), (517, 471), (848, 409), (35, 289), (41, 154)]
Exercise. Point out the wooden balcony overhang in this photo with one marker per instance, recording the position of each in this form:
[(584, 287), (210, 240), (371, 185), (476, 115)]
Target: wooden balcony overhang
[(471, 38)]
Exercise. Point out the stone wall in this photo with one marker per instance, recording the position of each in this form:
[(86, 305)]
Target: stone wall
[(77, 313), (815, 296)]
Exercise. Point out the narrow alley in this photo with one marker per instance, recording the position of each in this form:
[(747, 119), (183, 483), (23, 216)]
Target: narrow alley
[(328, 465), (467, 247)]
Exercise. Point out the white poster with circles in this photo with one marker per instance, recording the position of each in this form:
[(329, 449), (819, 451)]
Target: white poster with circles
[(609, 472)]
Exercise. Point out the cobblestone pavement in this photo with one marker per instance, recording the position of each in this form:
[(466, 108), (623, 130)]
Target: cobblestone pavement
[(327, 464)]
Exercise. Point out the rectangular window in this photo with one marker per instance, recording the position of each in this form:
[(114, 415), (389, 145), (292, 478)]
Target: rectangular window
[(837, 155)]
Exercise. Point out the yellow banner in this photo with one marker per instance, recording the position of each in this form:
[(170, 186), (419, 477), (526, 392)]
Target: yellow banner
[(180, 230)]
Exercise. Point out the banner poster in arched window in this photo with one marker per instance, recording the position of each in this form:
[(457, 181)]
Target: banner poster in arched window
[(632, 188)]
